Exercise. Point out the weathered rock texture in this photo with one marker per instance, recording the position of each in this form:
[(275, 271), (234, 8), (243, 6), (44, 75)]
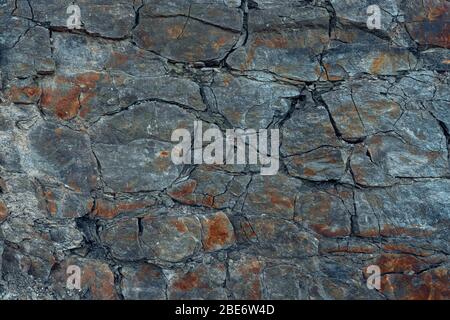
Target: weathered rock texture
[(86, 178)]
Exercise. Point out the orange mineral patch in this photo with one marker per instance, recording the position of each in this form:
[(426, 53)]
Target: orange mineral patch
[(219, 232)]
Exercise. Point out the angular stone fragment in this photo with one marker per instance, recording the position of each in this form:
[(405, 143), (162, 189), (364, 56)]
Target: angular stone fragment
[(284, 46), (63, 154), (110, 208), (188, 33), (416, 210), (200, 281), (429, 285), (280, 238), (23, 92), (218, 232), (246, 277), (122, 237), (170, 238), (319, 165), (210, 188), (61, 202), (138, 140), (324, 212), (362, 108), (365, 171), (142, 122), (251, 104), (427, 22), (143, 281), (282, 282), (272, 195), (417, 150), (355, 52), (97, 279), (32, 257), (307, 129), (99, 17), (145, 165), (74, 52), (30, 54), (67, 97)]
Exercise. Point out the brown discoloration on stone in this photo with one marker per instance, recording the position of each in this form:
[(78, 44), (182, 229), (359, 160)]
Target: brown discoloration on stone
[(430, 285), (3, 211), (280, 201), (109, 210), (404, 248), (175, 31), (218, 232), (189, 282), (51, 203), (183, 191), (250, 274), (397, 263), (66, 95), (181, 227), (27, 94), (378, 63)]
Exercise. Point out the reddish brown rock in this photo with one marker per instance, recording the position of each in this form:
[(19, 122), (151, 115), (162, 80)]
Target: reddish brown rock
[(97, 279), (429, 285), (199, 281), (246, 278), (218, 232), (3, 211)]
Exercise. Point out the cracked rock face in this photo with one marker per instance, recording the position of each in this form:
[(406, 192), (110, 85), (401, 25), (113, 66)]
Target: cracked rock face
[(87, 180)]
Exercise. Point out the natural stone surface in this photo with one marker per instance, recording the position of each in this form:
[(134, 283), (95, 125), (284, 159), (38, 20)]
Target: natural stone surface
[(87, 180)]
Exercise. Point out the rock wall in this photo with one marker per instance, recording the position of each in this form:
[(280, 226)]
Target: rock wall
[(86, 178)]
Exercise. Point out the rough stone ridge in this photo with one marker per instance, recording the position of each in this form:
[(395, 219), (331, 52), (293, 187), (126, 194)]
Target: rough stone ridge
[(86, 178)]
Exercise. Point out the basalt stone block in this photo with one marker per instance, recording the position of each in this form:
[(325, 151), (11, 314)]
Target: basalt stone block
[(189, 33), (122, 238), (362, 108), (147, 120), (283, 45), (325, 212), (272, 195), (427, 22), (282, 282), (251, 104), (210, 188), (416, 210), (111, 207), (278, 238), (139, 139), (63, 154), (419, 149), (322, 164), (143, 281), (99, 17), (203, 280), (29, 55), (146, 165), (73, 52), (246, 280), (67, 97), (171, 238), (218, 232), (97, 278), (306, 130), (429, 285), (366, 172), (61, 202)]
